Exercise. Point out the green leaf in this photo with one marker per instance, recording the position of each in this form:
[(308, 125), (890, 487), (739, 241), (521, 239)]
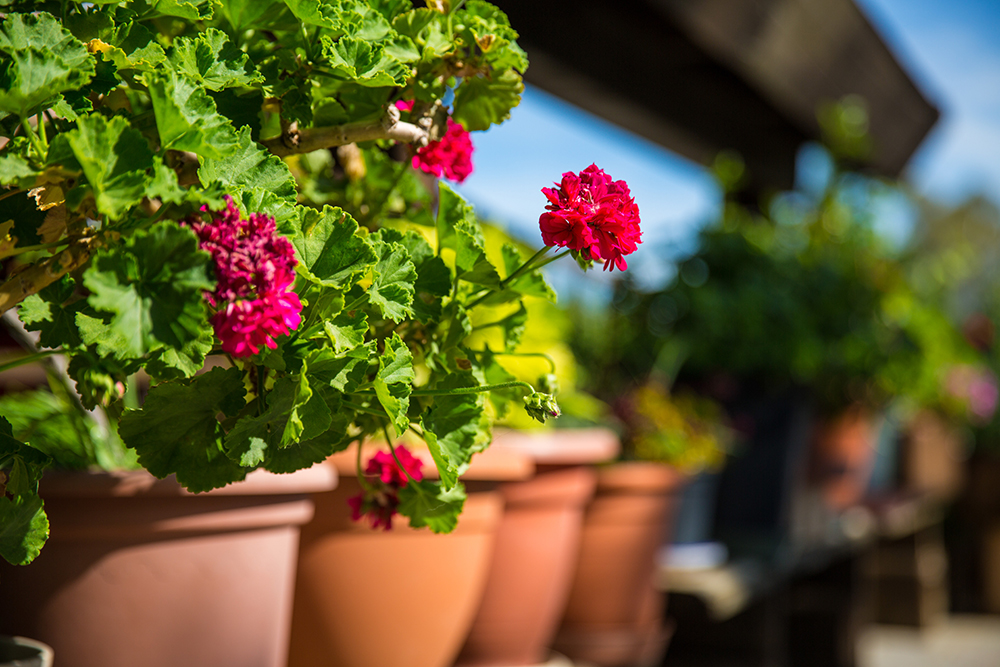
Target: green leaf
[(193, 10), (294, 413), (452, 210), (481, 101), (212, 61), (135, 47), (242, 14), (314, 12), (114, 158), (393, 281), (346, 331), (513, 327), (151, 286), (327, 243), (471, 263), (455, 427), (42, 60), (343, 372), (394, 380), (15, 170), (308, 452), (249, 166), (429, 504), (413, 22), (494, 373), (176, 431), (24, 528), (364, 63), (187, 118), (433, 278), (45, 312), (532, 283), (170, 363)]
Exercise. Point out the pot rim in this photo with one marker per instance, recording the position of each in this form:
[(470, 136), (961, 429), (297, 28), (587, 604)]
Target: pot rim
[(134, 483)]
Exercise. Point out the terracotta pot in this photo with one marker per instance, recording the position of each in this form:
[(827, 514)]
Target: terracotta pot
[(843, 455), (398, 597), (614, 615), (138, 571), (23, 652), (533, 564), (934, 456)]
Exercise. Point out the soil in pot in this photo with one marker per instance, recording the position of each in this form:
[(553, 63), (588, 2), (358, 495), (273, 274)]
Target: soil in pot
[(139, 572)]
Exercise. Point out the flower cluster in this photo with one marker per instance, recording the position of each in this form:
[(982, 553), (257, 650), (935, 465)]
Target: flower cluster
[(380, 497), (592, 215), (254, 267), (450, 157)]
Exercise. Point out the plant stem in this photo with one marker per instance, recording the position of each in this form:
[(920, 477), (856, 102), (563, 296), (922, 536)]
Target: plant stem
[(357, 302), (364, 409), (33, 138), (27, 359), (387, 127), (519, 271), (260, 389), (471, 390), (39, 246), (398, 462)]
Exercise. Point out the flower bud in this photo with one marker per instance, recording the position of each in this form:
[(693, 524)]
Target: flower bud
[(541, 406)]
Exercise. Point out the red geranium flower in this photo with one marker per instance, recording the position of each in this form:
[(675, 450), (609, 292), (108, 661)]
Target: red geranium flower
[(380, 497), (254, 269), (592, 215), (450, 157)]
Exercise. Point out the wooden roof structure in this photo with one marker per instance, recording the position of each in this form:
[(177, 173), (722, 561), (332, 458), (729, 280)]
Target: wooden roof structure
[(700, 76)]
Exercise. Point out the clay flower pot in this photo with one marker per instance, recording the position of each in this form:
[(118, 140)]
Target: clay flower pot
[(138, 571), (400, 597), (537, 545), (614, 615)]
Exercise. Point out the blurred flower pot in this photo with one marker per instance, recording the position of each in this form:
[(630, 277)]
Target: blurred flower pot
[(615, 614), (843, 456), (140, 572), (23, 652), (537, 546), (355, 583), (933, 457)]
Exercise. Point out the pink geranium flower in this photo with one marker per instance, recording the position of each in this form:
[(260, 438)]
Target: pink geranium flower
[(254, 269), (593, 215), (450, 157), (380, 497)]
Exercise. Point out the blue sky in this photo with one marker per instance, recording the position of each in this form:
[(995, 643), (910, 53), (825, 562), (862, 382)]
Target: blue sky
[(952, 50)]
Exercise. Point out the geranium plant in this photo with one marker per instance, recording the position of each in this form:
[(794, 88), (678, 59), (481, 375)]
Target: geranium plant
[(169, 168)]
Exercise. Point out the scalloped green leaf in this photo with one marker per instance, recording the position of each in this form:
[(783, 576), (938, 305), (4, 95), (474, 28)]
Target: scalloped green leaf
[(481, 101), (213, 61), (115, 159), (248, 166), (393, 382), (393, 278), (177, 432), (428, 503), (455, 427), (187, 118), (364, 63), (329, 246), (151, 288), (41, 60), (294, 413)]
